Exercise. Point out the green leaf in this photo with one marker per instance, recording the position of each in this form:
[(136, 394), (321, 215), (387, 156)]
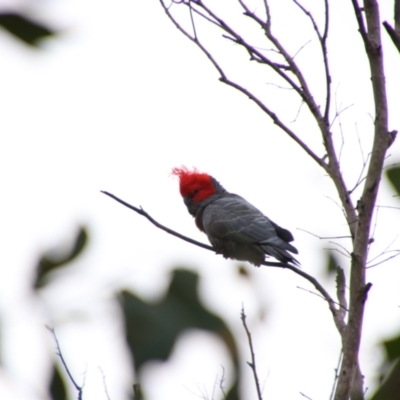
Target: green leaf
[(390, 387), (392, 348), (57, 387), (393, 175), (52, 261), (25, 29), (152, 329), (332, 265)]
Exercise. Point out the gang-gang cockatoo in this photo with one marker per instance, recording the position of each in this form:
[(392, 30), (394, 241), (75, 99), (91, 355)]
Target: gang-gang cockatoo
[(235, 228)]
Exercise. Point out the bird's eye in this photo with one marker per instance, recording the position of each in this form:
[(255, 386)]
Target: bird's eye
[(195, 191)]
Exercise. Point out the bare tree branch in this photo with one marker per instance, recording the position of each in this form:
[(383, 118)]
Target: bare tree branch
[(336, 375), (302, 89), (223, 78), (251, 364), (78, 388), (359, 218), (394, 33), (103, 377), (333, 168), (358, 287), (324, 237), (323, 43)]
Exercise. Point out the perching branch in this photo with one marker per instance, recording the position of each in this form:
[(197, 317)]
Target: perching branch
[(140, 211), (332, 304), (78, 388)]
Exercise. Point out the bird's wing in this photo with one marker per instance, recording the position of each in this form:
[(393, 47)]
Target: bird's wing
[(233, 218)]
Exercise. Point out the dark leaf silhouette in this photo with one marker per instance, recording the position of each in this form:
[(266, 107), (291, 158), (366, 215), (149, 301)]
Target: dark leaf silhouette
[(57, 386), (153, 329), (332, 264), (393, 175), (25, 29), (52, 261), (390, 388)]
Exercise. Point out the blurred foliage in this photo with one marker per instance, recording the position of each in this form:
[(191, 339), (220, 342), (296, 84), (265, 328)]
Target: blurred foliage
[(390, 387), (57, 386), (393, 175), (152, 329), (332, 265), (24, 28), (55, 260), (137, 392), (243, 271)]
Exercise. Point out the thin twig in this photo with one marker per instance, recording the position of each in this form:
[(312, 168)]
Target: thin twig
[(386, 259), (318, 295), (339, 322), (59, 353), (385, 250), (336, 375), (277, 121), (341, 246), (251, 364), (359, 143), (222, 381), (298, 111), (191, 18), (300, 49), (280, 87), (360, 180), (324, 237), (396, 208), (339, 251), (323, 43), (104, 383)]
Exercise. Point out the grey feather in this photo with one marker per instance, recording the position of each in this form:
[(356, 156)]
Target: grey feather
[(238, 230)]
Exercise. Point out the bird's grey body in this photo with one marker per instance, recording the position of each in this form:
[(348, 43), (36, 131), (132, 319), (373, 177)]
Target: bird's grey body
[(238, 230)]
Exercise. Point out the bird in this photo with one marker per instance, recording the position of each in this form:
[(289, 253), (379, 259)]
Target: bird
[(235, 228)]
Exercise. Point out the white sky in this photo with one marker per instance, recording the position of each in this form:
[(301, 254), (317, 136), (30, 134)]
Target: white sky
[(117, 101)]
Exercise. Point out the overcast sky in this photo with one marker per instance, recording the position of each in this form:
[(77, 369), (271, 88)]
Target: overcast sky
[(114, 103)]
